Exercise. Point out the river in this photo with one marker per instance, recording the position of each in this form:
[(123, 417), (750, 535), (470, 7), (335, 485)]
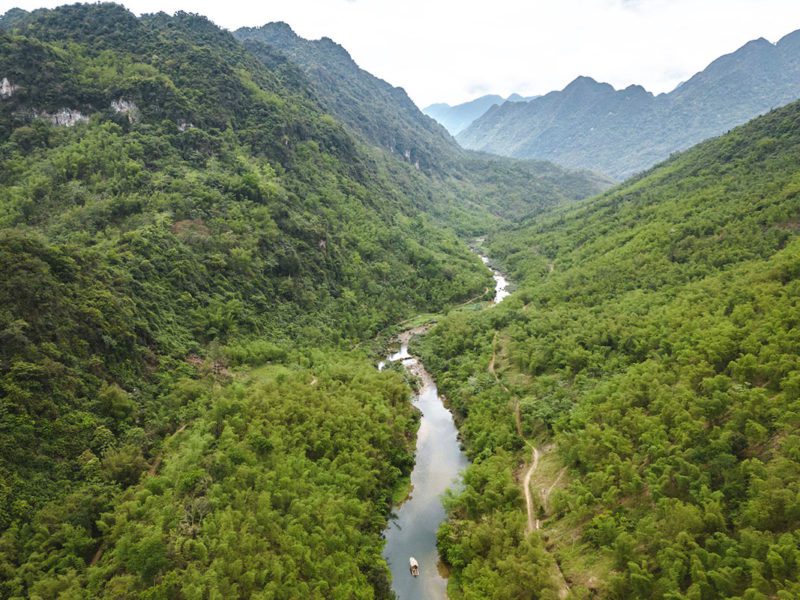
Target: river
[(438, 465)]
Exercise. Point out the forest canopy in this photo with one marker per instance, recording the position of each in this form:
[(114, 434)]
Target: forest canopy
[(653, 341)]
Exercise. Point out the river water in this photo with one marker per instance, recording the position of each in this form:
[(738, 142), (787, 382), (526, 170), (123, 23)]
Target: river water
[(439, 462)]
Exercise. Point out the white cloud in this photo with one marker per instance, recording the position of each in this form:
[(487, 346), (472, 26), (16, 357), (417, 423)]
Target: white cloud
[(451, 50)]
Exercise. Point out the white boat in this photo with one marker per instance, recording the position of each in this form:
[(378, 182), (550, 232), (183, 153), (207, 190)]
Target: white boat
[(414, 566)]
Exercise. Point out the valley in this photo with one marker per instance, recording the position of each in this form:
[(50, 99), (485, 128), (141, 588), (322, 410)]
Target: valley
[(438, 463), (210, 239)]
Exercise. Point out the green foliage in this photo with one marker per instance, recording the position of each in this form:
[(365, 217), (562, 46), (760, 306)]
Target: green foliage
[(204, 215), (278, 490), (470, 191), (654, 338)]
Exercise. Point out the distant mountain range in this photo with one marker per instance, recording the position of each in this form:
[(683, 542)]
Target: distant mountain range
[(457, 118), (621, 132)]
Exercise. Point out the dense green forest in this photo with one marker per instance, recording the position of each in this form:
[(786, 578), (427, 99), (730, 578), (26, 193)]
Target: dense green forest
[(472, 189), (176, 213), (204, 245), (651, 350)]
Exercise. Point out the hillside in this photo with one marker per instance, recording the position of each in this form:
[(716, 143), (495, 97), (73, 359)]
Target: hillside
[(383, 114), (458, 117), (190, 250), (470, 190), (591, 125), (650, 353)]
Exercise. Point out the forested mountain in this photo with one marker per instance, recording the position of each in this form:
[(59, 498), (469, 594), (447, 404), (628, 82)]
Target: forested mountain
[(591, 125), (472, 189), (457, 118), (205, 240), (651, 355), (190, 247), (382, 113)]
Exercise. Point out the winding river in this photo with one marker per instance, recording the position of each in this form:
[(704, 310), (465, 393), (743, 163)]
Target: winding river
[(439, 462)]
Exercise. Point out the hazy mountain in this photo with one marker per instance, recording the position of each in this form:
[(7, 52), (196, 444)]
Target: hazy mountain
[(620, 132), (457, 118), (519, 98)]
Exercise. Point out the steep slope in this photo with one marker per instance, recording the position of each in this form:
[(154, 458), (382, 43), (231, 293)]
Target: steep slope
[(383, 114), (175, 213), (457, 118), (590, 125), (471, 190), (653, 341)]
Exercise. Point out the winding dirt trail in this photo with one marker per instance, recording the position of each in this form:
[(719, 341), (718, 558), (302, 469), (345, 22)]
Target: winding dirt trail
[(157, 462), (150, 472), (533, 523)]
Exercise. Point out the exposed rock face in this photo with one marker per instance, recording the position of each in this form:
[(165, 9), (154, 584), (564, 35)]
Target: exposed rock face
[(66, 117), (7, 88), (124, 107)]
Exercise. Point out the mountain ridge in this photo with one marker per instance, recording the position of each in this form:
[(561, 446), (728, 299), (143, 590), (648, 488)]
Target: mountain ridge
[(458, 117), (622, 132), (384, 116)]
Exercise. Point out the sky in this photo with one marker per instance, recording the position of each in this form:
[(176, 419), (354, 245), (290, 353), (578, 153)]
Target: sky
[(455, 50)]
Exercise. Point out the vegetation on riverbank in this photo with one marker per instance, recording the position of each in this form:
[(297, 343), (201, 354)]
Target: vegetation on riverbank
[(199, 217), (654, 340)]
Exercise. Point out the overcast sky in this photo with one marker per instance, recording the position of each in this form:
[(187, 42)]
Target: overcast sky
[(455, 50)]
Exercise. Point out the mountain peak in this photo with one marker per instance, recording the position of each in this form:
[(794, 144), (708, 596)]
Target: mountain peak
[(583, 83), (280, 26), (583, 80), (790, 40), (757, 44), (517, 98), (636, 90), (12, 17), (277, 30)]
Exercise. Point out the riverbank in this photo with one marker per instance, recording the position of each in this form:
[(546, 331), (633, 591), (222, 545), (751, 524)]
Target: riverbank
[(439, 462)]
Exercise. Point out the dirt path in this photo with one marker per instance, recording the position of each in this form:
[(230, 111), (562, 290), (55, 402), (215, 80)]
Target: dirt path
[(157, 462), (533, 523), (151, 471), (546, 493), (98, 555)]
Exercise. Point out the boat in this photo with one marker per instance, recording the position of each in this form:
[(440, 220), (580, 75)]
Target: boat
[(414, 566)]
